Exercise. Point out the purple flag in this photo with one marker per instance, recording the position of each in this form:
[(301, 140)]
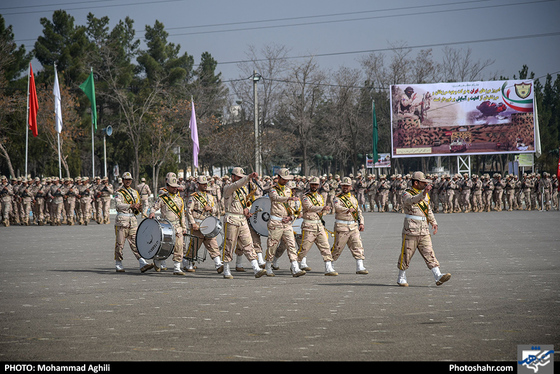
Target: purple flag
[(194, 135)]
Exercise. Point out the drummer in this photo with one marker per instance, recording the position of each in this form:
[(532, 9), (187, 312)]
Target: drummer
[(282, 215), (236, 227), (201, 205), (313, 228), (128, 205), (171, 205)]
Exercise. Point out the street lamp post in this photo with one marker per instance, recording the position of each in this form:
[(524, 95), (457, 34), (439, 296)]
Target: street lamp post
[(258, 166)]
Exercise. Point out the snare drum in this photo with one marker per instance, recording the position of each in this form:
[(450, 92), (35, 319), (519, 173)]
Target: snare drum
[(261, 215), (155, 239), (210, 227), (297, 226)]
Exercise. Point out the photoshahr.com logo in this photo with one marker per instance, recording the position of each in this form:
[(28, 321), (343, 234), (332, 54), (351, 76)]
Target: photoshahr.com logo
[(535, 359)]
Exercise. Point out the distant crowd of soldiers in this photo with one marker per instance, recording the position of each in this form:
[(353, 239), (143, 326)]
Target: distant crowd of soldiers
[(80, 200)]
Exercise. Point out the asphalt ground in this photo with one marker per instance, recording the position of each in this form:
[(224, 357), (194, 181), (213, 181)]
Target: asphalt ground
[(63, 301)]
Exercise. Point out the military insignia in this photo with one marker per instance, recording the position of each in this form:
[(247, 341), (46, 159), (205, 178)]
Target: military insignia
[(523, 90)]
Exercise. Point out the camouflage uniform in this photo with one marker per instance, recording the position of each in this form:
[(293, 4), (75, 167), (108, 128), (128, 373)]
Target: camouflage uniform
[(126, 225), (416, 232), (313, 229), (201, 205), (236, 226), (280, 224), (348, 223)]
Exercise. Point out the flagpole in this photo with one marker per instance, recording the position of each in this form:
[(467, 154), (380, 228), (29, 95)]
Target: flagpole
[(27, 123), (57, 133), (92, 142)]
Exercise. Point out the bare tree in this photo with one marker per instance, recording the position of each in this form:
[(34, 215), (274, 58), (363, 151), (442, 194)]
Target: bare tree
[(459, 66)]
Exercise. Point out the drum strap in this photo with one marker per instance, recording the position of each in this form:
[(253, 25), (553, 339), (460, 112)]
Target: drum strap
[(281, 192), (313, 197), (421, 204), (129, 198), (171, 204), (240, 192), (201, 199), (348, 204)]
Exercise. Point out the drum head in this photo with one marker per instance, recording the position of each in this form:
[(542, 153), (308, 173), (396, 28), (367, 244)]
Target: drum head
[(210, 227), (148, 238), (297, 226), (259, 220)]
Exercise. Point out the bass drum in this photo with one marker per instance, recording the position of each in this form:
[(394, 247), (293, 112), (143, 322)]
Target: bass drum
[(261, 215), (155, 239)]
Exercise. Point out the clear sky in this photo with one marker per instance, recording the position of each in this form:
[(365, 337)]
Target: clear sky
[(511, 32)]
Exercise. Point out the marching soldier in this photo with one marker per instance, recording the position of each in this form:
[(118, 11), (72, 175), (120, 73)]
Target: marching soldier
[(466, 189), (85, 199), (313, 228), (26, 201), (104, 193), (201, 205), (39, 192), (172, 208), (499, 186), (144, 191), (416, 232), (57, 196), (545, 186), (477, 204), (349, 222), (236, 226), (128, 206), (6, 193), (383, 190), (280, 227), (487, 192)]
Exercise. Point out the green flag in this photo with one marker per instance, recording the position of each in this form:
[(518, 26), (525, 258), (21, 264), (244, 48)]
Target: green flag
[(375, 136), (89, 89)]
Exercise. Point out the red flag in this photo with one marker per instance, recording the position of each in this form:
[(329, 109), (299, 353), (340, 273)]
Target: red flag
[(558, 171), (33, 103)]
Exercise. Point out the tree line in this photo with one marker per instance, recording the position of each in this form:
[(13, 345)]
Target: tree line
[(311, 119)]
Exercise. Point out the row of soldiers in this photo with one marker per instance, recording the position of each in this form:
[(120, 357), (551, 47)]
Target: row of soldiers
[(55, 201), (450, 193)]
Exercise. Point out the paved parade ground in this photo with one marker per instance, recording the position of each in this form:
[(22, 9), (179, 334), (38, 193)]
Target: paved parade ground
[(63, 301)]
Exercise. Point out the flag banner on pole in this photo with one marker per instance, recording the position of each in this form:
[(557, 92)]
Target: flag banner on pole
[(194, 135), (33, 103), (57, 105), (375, 135), (89, 89)]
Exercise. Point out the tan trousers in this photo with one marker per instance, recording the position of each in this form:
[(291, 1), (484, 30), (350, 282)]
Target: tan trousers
[(235, 234), (314, 234), (424, 245), (347, 235), (277, 232), (122, 234)]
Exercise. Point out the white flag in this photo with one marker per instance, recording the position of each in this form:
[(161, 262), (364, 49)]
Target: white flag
[(57, 105), (194, 135)]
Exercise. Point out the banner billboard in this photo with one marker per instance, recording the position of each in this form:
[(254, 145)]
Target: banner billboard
[(462, 118)]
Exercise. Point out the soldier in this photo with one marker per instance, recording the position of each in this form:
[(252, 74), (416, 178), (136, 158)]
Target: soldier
[(477, 204), (349, 222), (333, 187), (371, 191), (172, 208), (128, 206), (104, 193), (466, 187), (528, 185), (57, 196), (236, 227), (71, 194), (436, 181), (400, 186), (26, 201), (545, 186), (6, 193), (39, 192), (144, 190), (360, 187), (510, 192), (450, 187), (85, 194), (554, 191), (313, 228), (416, 232), (499, 186), (282, 215), (201, 205), (383, 188), (487, 192)]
